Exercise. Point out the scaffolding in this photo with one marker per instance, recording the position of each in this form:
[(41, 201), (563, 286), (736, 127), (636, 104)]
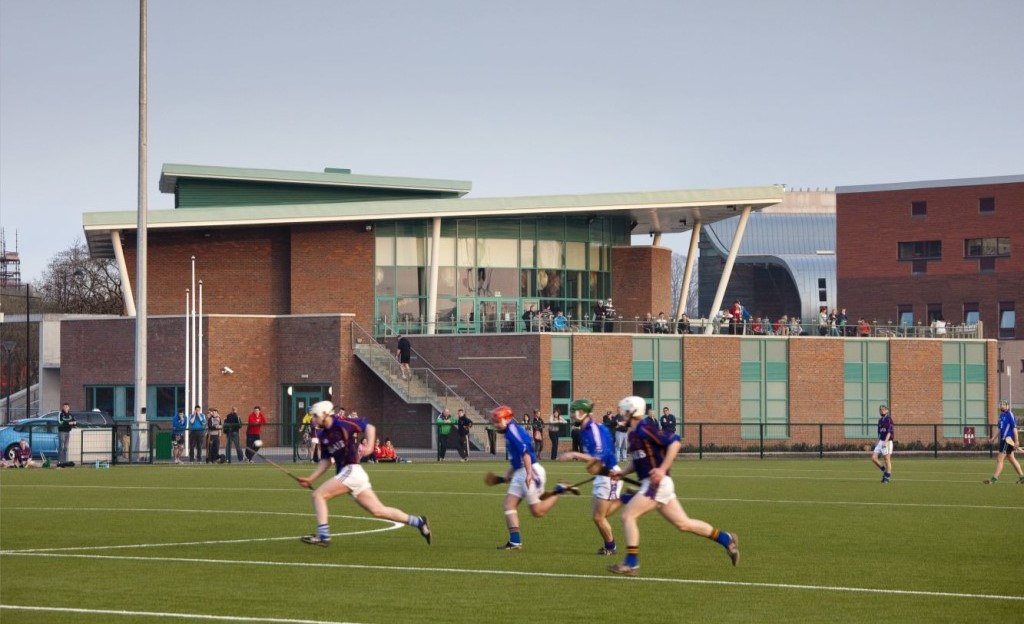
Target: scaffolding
[(10, 263)]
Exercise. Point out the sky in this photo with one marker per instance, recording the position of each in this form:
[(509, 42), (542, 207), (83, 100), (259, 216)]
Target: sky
[(533, 97)]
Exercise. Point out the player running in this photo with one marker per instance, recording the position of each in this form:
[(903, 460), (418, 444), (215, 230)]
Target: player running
[(1006, 433), (525, 476), (598, 444), (884, 445), (339, 439), (651, 454)]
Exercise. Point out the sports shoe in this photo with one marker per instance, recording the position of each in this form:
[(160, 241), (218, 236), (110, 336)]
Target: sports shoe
[(425, 530), (734, 548), (989, 481), (511, 546), (602, 551), (563, 487), (622, 568), (315, 540)]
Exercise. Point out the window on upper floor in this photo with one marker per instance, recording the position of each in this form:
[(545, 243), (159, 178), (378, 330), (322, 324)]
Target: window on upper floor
[(986, 247), (1007, 320), (918, 208), (972, 313), (920, 250), (987, 205)]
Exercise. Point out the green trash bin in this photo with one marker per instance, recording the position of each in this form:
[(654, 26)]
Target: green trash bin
[(163, 445)]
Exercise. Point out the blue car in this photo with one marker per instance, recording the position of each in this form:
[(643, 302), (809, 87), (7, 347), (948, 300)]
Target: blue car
[(41, 432)]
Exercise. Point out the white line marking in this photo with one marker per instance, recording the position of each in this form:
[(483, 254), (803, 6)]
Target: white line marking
[(158, 614), (636, 579), (392, 526)]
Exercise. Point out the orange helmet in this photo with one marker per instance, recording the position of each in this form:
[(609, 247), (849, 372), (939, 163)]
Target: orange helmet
[(502, 412)]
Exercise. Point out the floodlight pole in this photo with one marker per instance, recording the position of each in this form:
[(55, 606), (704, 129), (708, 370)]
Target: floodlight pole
[(142, 309)]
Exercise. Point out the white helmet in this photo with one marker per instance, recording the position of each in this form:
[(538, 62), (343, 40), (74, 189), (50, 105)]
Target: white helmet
[(632, 407), (323, 408)]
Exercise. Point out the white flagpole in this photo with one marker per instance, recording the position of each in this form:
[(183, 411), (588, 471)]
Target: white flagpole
[(199, 362), (188, 348)]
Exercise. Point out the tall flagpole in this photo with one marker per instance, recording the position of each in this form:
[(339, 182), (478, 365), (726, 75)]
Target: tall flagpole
[(199, 340)]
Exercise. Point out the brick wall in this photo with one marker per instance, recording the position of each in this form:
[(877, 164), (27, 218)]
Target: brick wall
[(599, 375), (334, 270), (872, 282), (648, 287), (711, 379)]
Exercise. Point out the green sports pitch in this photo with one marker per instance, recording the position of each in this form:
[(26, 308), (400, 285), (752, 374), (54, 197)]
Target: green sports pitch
[(821, 541)]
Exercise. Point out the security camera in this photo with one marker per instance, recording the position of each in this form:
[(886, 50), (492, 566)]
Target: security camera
[(227, 371)]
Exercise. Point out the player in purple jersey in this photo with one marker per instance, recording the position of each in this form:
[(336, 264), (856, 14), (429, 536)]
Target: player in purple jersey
[(598, 443), (339, 440), (1007, 437), (525, 476), (883, 447), (651, 453)]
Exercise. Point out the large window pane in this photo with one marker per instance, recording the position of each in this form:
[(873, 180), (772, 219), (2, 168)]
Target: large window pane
[(409, 281), (385, 247), (384, 280), (497, 252), (410, 251), (549, 254)]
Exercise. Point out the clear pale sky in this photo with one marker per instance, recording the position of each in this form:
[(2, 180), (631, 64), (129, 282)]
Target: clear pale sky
[(531, 97)]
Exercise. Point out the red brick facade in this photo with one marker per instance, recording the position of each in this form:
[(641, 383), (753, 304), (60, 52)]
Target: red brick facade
[(641, 285), (872, 282)]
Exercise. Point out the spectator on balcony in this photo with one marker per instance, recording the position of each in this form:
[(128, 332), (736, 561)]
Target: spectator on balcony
[(598, 313), (530, 323), (939, 327), (863, 328), (647, 325), (683, 325), (560, 323), (609, 316), (661, 324)]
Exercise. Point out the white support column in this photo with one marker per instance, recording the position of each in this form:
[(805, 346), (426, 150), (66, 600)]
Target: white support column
[(656, 241), (122, 269), (727, 269), (435, 261), (684, 292)]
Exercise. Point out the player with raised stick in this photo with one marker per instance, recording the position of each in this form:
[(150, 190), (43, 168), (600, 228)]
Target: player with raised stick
[(1006, 434), (651, 453), (339, 439), (525, 476), (599, 453)]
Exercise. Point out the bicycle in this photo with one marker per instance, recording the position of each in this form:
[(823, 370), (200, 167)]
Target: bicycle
[(305, 445)]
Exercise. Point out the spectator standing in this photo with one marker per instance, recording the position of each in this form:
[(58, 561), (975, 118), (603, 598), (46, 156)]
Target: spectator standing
[(939, 327), (231, 427), (554, 432), (463, 424), (537, 429), (668, 420), (445, 422), (661, 324), (609, 317), (214, 426), (178, 426), (253, 431), (530, 319), (823, 321), (621, 432), (65, 423), (598, 314), (197, 435), (863, 328)]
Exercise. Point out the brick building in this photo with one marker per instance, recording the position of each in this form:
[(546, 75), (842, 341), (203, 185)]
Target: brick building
[(307, 277)]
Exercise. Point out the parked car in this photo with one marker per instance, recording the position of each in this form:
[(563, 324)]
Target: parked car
[(41, 432)]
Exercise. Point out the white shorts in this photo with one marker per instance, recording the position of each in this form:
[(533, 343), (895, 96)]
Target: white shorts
[(607, 489), (354, 478), (518, 486), (883, 448), (666, 489)]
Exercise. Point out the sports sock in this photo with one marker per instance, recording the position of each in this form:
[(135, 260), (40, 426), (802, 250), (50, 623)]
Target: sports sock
[(559, 488), (323, 531), (514, 537), (632, 556), (721, 537), (609, 545), (415, 521)]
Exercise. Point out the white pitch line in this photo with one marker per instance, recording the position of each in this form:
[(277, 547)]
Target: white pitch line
[(161, 614), (594, 577), (393, 525)]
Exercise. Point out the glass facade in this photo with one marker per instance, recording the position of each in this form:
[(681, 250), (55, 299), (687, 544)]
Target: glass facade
[(865, 385), (658, 375), (964, 376), (764, 388), (492, 270)]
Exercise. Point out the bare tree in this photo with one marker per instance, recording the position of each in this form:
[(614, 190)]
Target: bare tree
[(75, 283), (678, 267)]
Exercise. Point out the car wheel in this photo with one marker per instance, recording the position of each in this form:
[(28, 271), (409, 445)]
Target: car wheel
[(10, 452)]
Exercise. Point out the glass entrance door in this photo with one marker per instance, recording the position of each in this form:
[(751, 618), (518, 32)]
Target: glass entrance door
[(296, 404), (497, 316)]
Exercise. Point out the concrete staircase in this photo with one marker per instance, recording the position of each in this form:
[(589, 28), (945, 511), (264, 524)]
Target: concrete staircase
[(424, 387)]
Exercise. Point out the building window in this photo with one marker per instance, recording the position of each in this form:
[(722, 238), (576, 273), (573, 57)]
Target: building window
[(972, 314), (822, 290), (1007, 320), (987, 265), (986, 247), (905, 314), (987, 205), (920, 250), (919, 267), (918, 208), (934, 312)]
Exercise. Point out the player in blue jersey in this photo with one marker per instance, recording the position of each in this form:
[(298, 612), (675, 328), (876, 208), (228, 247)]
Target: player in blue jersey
[(1006, 435), (883, 447), (525, 476), (651, 453), (340, 440), (598, 443)]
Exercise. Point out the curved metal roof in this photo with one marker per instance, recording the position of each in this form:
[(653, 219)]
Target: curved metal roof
[(803, 244)]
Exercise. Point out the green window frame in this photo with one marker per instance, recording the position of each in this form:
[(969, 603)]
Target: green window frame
[(561, 374), (964, 387), (658, 374), (764, 388), (865, 385)]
